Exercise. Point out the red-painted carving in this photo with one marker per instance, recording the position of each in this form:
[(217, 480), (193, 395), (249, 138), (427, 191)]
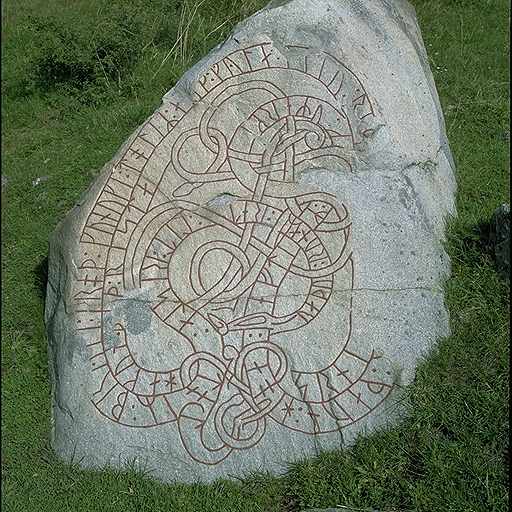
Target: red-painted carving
[(236, 287)]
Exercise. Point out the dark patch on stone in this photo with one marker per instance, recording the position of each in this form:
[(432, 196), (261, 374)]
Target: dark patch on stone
[(74, 344), (137, 315)]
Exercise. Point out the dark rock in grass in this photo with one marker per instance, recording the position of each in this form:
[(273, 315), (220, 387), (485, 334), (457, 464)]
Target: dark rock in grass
[(259, 269), (500, 239)]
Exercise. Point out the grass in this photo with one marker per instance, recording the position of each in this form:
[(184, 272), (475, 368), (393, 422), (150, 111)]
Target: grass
[(63, 123)]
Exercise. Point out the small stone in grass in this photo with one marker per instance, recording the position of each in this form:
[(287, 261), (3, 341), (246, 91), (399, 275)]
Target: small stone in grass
[(39, 180)]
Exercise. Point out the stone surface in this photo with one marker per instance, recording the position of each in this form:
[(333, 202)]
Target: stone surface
[(256, 273), (500, 239)]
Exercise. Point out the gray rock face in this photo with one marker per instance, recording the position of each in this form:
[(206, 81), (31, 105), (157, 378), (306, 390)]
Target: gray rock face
[(256, 273)]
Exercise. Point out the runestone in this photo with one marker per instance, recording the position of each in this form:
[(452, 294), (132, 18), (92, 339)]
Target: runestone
[(214, 287), (234, 285)]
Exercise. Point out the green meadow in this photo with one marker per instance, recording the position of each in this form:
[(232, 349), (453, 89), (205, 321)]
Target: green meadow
[(78, 77)]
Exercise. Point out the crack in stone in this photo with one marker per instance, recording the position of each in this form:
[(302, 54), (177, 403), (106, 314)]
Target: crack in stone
[(292, 295), (63, 408), (424, 164)]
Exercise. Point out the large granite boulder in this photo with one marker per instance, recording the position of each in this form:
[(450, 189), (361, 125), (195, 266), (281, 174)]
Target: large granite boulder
[(257, 272)]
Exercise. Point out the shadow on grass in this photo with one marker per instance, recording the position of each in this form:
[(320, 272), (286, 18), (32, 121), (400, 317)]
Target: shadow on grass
[(41, 278)]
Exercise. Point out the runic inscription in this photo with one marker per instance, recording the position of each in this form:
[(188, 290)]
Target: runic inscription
[(202, 232)]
